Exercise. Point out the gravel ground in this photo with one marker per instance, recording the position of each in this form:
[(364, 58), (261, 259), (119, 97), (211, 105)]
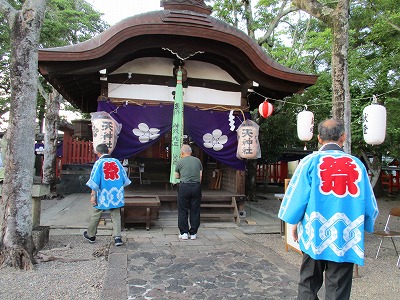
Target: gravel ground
[(75, 271), (72, 272), (67, 268)]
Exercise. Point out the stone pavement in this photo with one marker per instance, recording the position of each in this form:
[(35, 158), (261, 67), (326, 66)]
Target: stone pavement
[(225, 262), (222, 263)]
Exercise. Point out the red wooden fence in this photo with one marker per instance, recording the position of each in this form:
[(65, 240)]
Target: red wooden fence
[(77, 152), (273, 173), (390, 179)]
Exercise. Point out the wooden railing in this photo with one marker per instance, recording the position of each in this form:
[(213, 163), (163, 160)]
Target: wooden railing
[(273, 173), (76, 152), (390, 178)]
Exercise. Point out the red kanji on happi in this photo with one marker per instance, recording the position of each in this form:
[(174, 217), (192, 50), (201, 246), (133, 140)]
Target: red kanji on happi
[(110, 170), (339, 176)]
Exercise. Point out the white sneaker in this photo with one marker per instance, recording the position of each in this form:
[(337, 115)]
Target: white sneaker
[(183, 236), (193, 236)]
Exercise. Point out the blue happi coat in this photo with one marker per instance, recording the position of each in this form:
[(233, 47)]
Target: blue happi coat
[(332, 198), (108, 178)]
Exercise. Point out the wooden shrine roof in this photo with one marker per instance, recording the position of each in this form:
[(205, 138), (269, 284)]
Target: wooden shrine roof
[(182, 29)]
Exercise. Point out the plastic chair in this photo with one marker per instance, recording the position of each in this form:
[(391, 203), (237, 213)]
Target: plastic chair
[(387, 233)]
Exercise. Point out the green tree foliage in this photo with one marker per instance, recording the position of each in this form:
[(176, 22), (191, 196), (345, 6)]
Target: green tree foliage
[(374, 66), (66, 22), (305, 44), (83, 23), (228, 11)]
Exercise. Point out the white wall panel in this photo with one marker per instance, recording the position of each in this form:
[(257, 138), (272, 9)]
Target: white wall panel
[(164, 93)]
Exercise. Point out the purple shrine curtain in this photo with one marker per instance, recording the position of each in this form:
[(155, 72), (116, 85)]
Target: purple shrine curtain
[(143, 125), (211, 132)]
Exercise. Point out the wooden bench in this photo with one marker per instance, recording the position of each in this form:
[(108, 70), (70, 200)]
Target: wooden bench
[(140, 209)]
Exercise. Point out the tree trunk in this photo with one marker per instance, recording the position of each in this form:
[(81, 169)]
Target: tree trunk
[(40, 115), (375, 168), (16, 243), (50, 140), (248, 15), (338, 20), (235, 14), (251, 172), (251, 184), (340, 81)]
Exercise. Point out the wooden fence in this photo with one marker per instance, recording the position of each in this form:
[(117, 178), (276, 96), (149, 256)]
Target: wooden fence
[(272, 173), (77, 152), (390, 179)]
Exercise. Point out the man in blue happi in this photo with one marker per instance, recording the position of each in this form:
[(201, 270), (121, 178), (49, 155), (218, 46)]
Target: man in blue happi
[(107, 181), (331, 199)]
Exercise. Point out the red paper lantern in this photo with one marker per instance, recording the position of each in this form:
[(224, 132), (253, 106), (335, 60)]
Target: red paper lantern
[(265, 109)]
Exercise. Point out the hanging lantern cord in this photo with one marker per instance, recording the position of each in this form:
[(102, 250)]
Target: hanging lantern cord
[(244, 117)]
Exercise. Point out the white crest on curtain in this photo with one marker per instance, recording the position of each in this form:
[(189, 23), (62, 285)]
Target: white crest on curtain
[(215, 140), (145, 133)]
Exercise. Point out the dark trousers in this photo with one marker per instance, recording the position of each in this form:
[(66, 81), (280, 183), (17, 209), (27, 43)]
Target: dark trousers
[(338, 279), (189, 198)]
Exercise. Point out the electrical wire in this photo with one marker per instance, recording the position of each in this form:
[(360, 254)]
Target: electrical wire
[(325, 103)]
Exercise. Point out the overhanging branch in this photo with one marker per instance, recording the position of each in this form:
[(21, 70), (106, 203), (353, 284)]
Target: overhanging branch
[(316, 9)]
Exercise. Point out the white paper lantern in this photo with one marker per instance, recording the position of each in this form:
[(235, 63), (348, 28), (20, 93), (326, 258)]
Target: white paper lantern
[(248, 145), (305, 125), (374, 124), (105, 130)]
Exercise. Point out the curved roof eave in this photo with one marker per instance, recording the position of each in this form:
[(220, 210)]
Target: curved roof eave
[(182, 24)]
